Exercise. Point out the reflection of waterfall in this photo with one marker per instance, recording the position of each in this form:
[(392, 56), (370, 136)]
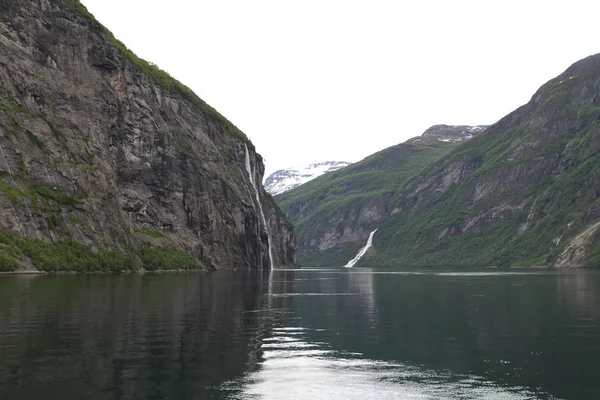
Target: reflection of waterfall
[(361, 252), (262, 214)]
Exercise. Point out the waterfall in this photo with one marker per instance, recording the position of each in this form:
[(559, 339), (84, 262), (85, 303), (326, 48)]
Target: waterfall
[(529, 216), (24, 202), (361, 252), (262, 214), (531, 212)]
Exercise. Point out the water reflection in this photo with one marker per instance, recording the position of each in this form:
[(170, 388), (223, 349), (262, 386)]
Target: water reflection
[(301, 334), (295, 368), (163, 336)]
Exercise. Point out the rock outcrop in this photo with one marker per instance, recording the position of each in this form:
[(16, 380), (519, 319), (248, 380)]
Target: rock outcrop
[(102, 148)]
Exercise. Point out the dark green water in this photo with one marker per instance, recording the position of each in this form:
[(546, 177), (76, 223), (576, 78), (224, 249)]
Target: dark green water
[(334, 334)]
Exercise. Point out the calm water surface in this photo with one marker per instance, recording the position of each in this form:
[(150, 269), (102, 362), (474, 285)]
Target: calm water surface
[(310, 334)]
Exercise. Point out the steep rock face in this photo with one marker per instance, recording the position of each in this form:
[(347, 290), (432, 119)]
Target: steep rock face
[(524, 192), (284, 180), (335, 213), (96, 150)]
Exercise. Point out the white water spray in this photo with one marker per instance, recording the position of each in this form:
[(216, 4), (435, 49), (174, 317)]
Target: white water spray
[(262, 214), (361, 252)]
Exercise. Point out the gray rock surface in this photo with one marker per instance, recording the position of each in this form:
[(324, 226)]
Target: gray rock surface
[(135, 162)]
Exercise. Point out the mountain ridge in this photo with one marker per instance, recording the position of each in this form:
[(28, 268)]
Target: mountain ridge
[(516, 178)]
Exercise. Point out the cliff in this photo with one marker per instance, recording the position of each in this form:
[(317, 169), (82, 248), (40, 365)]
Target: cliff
[(101, 149)]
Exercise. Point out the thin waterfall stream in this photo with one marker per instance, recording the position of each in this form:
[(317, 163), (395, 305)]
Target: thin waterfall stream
[(262, 214), (361, 252)]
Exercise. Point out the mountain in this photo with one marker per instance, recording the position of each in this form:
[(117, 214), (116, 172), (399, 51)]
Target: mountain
[(334, 213), (284, 180), (523, 192), (109, 163)]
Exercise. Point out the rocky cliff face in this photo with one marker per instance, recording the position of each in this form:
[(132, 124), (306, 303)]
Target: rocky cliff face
[(100, 148), (335, 213)]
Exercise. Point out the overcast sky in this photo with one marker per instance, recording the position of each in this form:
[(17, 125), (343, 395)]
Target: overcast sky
[(312, 81)]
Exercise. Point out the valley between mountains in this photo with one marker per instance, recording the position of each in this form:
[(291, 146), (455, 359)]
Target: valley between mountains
[(107, 163)]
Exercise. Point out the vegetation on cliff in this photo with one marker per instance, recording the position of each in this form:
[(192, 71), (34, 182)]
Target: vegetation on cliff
[(516, 195), (353, 200), (524, 192)]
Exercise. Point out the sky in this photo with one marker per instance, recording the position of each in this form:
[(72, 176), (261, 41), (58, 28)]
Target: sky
[(319, 80)]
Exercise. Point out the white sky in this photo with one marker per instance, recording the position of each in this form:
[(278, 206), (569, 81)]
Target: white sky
[(318, 80)]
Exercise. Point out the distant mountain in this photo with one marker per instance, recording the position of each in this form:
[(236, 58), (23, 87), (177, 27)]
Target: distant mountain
[(334, 213), (524, 191), (287, 179)]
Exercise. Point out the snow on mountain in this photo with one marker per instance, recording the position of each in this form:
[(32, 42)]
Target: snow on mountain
[(286, 179)]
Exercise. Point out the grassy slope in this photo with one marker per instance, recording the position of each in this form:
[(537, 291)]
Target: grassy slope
[(17, 251), (557, 177)]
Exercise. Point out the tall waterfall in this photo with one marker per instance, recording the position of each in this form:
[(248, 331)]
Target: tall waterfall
[(361, 252), (262, 214)]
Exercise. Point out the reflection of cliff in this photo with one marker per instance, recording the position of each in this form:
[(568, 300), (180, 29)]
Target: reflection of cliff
[(272, 309), (344, 304), (519, 329), (579, 294), (128, 334)]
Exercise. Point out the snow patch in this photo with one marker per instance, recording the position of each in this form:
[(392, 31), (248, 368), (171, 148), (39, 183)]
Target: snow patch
[(287, 179)]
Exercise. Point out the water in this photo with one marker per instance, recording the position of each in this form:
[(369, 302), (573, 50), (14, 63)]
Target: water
[(361, 252), (313, 334), (260, 209)]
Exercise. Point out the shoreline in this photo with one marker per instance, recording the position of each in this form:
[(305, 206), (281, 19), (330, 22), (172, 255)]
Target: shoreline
[(137, 272), (172, 271)]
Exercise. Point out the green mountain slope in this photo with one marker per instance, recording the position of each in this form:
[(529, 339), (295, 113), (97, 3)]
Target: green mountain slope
[(334, 213), (524, 192)]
